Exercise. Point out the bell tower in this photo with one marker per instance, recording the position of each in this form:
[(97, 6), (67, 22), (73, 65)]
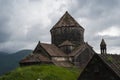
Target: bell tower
[(103, 47), (67, 29)]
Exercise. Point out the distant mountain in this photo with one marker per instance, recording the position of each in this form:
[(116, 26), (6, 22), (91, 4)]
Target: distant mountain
[(9, 62), (3, 53)]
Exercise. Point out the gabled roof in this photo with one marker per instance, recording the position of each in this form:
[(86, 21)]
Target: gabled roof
[(103, 42), (113, 61), (66, 43), (110, 61), (67, 21), (81, 48), (35, 58), (52, 50), (37, 48)]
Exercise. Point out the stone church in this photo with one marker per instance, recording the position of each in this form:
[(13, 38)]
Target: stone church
[(67, 46), (68, 49)]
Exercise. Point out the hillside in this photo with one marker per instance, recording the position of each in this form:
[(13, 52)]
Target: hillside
[(42, 72), (9, 62)]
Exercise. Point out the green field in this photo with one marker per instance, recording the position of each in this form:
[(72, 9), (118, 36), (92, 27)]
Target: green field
[(42, 72)]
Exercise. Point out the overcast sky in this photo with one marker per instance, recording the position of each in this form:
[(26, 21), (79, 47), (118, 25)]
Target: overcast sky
[(24, 22)]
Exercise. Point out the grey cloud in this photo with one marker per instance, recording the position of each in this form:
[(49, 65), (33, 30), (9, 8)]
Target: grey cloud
[(5, 17), (37, 32), (4, 29), (98, 15)]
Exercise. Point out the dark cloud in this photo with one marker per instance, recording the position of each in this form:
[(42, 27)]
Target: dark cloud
[(24, 22)]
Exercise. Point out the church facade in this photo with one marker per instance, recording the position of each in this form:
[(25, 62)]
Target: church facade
[(67, 46)]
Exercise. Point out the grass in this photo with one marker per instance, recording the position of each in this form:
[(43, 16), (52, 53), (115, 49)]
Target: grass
[(42, 72), (110, 59)]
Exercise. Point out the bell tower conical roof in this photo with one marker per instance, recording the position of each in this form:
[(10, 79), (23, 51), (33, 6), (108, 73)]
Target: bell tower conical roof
[(67, 21), (103, 43)]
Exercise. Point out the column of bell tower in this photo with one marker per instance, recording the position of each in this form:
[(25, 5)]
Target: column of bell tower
[(103, 47)]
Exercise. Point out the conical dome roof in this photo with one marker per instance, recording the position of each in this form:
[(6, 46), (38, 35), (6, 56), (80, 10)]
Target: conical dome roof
[(67, 21)]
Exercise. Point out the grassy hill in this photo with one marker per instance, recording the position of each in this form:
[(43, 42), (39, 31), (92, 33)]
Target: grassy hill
[(42, 72)]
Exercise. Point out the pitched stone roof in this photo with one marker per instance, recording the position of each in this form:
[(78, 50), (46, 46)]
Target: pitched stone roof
[(81, 48), (102, 42), (66, 43), (67, 21), (53, 50), (110, 61), (35, 58), (113, 61)]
